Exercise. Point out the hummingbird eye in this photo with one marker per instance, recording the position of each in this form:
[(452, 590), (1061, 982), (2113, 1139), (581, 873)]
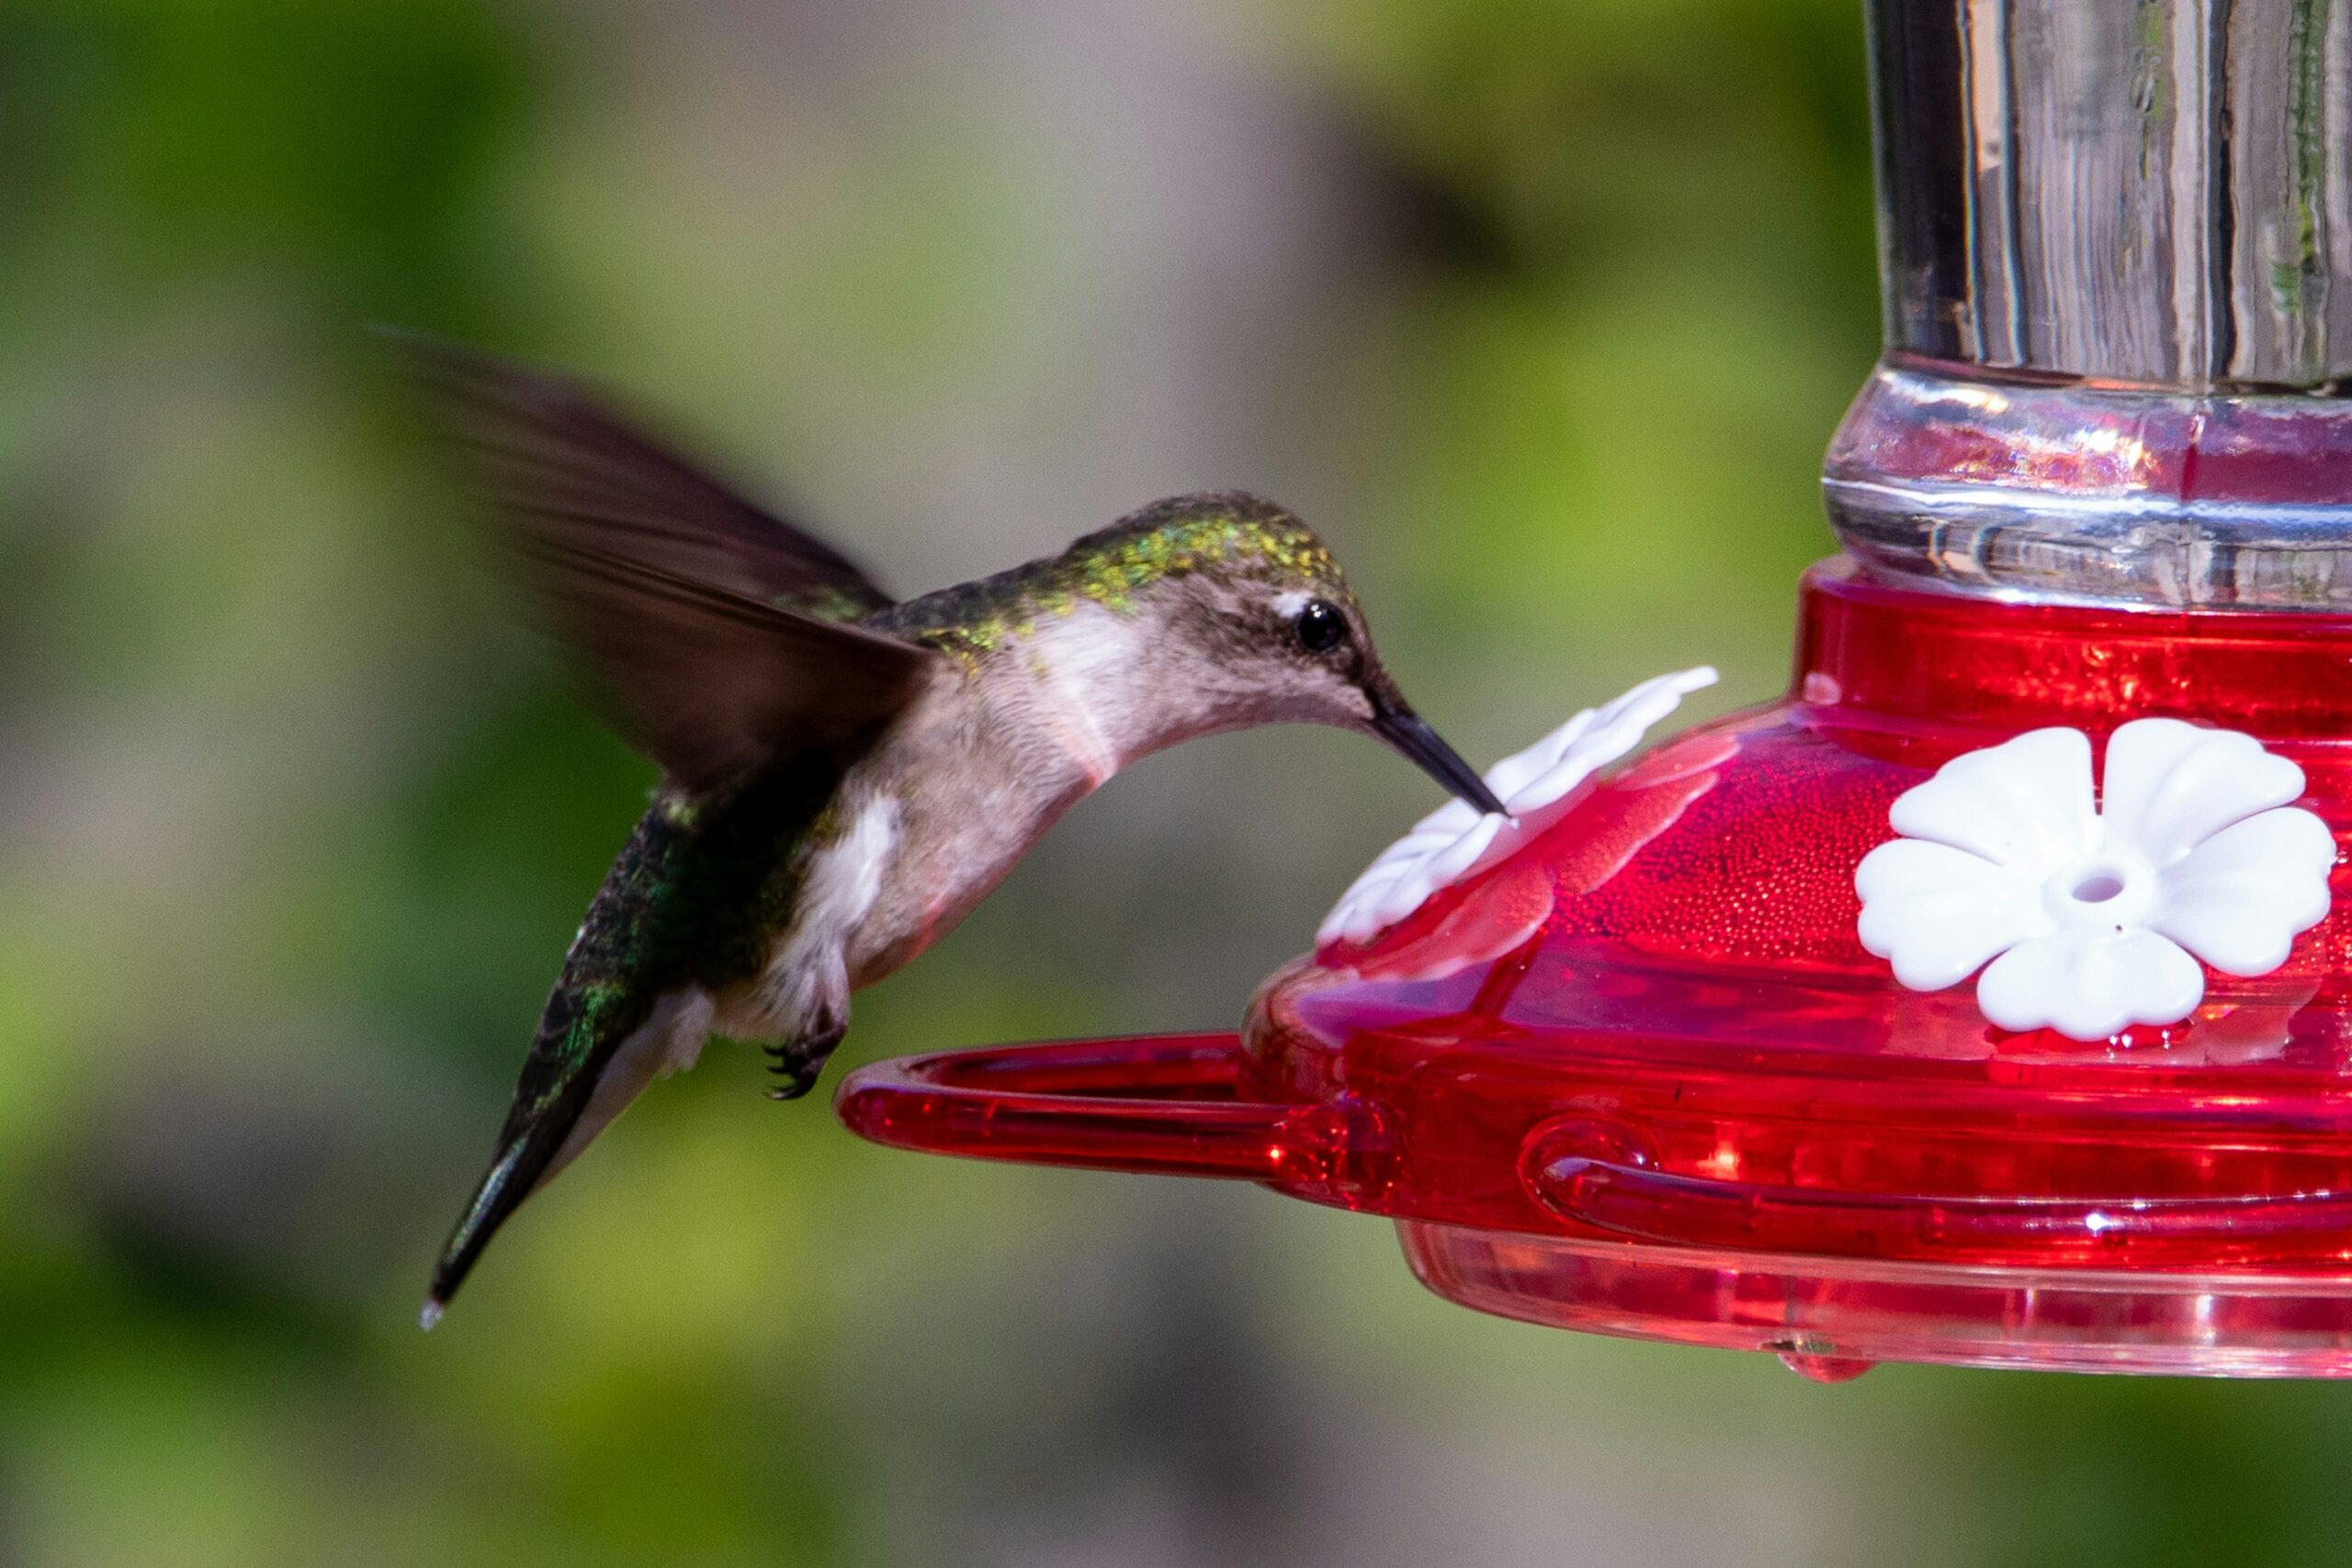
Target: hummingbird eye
[(1320, 628)]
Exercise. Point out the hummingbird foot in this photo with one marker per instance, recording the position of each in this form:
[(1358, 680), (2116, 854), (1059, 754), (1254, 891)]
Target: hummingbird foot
[(797, 1076), (797, 1063)]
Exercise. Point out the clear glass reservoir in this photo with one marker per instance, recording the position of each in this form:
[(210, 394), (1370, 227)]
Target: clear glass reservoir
[(2116, 257)]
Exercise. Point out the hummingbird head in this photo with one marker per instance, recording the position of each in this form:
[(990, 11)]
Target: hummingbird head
[(1256, 624)]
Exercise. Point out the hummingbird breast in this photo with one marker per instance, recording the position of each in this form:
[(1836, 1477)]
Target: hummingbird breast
[(974, 780), (919, 831)]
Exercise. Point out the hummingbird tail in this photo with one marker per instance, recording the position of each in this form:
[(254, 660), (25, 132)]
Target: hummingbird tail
[(509, 1181), (600, 1041)]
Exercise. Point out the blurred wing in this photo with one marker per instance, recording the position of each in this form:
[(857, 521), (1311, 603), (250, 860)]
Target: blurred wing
[(684, 602), (710, 684), (562, 469)]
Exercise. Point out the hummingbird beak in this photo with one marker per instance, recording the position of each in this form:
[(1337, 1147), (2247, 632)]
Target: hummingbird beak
[(1411, 734)]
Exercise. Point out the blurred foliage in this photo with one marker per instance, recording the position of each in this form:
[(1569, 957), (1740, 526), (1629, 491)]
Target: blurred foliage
[(1545, 308)]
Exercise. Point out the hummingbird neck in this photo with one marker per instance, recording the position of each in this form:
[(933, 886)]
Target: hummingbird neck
[(1106, 688)]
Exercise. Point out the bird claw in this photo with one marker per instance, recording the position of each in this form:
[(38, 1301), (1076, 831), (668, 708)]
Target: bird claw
[(794, 1065), (799, 1061)]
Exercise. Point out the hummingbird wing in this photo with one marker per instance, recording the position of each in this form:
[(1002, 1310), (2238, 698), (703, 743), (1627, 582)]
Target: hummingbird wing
[(557, 462), (717, 634), (715, 686)]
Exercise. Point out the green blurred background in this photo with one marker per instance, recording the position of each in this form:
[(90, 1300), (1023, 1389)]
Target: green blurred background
[(1542, 309)]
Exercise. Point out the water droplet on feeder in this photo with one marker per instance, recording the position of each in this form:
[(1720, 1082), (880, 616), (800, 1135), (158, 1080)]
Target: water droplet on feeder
[(1825, 1368)]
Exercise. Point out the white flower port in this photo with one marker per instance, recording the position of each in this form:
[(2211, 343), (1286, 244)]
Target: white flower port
[(2087, 914), (1456, 841)]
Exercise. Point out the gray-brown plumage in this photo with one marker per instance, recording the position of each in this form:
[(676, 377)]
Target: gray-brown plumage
[(844, 777)]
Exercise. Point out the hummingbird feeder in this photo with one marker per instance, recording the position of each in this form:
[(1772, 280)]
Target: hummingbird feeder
[(1987, 999)]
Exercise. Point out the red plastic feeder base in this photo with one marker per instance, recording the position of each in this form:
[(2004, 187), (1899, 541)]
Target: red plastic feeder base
[(1686, 1105)]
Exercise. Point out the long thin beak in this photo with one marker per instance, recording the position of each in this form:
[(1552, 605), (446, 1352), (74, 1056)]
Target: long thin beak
[(1411, 734)]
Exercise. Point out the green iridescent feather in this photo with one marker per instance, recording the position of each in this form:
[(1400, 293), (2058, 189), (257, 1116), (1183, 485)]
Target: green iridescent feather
[(1111, 566)]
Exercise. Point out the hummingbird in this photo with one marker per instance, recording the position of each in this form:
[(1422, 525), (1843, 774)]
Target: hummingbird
[(843, 775)]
